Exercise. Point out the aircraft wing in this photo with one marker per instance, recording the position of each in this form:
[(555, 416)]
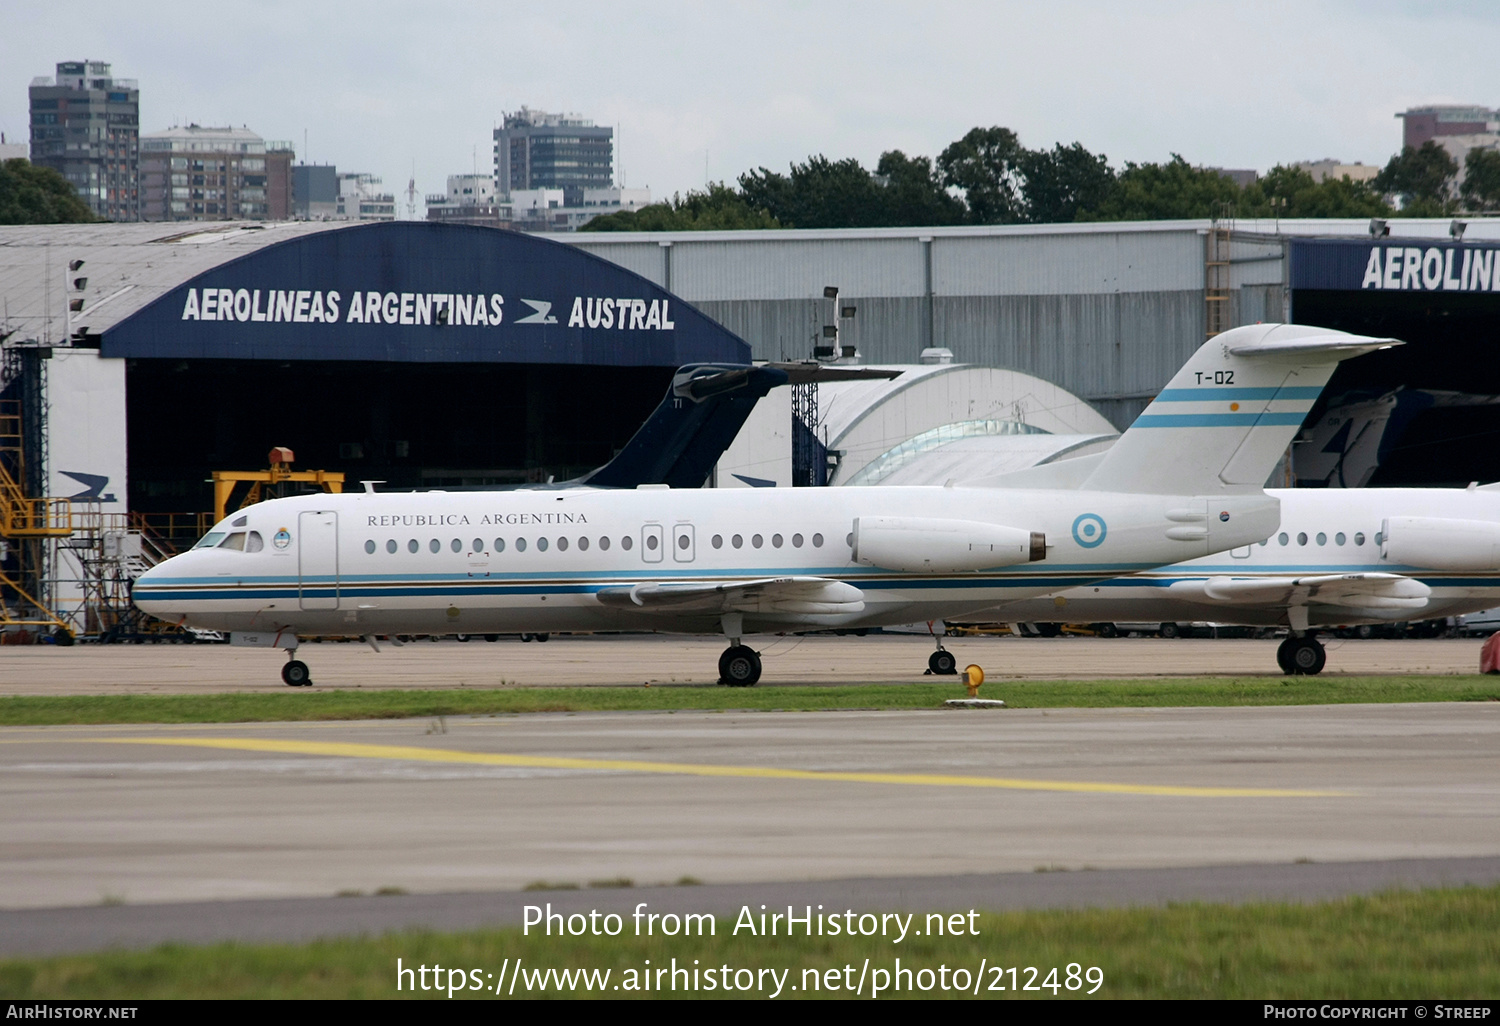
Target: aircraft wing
[(1363, 590), (766, 595)]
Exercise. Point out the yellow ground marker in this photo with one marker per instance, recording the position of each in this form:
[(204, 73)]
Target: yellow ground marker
[(448, 755)]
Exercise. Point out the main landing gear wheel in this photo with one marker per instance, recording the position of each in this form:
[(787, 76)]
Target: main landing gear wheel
[(1301, 657), (739, 666), (943, 663), (296, 674)]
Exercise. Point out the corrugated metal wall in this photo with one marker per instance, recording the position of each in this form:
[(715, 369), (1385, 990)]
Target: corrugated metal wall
[(1108, 313)]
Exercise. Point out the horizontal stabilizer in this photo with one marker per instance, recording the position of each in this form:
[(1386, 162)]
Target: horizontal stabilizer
[(1332, 346), (804, 595)]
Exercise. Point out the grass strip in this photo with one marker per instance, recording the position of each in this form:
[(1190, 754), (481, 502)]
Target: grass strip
[(1396, 945), (356, 704)]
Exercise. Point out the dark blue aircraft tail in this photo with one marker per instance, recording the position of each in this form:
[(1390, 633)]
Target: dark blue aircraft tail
[(704, 409)]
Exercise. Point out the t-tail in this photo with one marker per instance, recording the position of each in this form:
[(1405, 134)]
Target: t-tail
[(705, 407), (1226, 418)]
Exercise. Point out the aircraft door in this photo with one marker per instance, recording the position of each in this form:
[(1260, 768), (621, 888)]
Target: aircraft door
[(682, 543), (652, 543), (318, 560)]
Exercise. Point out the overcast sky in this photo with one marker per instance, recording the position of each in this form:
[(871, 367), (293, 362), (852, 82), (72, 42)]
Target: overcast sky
[(702, 91)]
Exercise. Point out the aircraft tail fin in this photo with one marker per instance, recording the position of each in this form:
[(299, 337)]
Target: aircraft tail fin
[(1224, 420), (705, 407)]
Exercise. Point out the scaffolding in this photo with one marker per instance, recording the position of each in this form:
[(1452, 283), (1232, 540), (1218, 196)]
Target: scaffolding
[(1216, 290)]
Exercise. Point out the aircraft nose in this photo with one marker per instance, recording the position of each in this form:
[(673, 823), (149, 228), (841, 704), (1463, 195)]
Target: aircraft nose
[(145, 591)]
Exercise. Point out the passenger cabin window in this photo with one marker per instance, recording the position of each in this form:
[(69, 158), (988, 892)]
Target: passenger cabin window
[(1339, 538), (1359, 537), (370, 546)]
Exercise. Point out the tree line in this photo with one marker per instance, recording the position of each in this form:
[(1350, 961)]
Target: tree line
[(988, 177)]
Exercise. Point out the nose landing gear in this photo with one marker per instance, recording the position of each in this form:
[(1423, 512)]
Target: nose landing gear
[(295, 673)]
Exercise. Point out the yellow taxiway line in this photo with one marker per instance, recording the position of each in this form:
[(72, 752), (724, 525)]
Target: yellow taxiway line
[(448, 755)]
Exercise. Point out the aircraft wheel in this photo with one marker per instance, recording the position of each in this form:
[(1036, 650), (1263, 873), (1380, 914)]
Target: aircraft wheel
[(296, 674), (460, 637), (1108, 630), (943, 663), (1307, 657), (1283, 655), (492, 637), (543, 637), (739, 666), (525, 636), (1169, 630)]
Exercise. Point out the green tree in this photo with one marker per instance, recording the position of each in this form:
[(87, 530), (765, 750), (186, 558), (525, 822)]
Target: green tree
[(912, 193), (1422, 176), (1292, 192), (1170, 191), (719, 208), (38, 195), (1058, 183), (821, 193), (985, 166), (1481, 188)]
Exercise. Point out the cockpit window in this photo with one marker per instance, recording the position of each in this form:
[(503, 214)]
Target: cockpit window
[(254, 542), (235, 541), (210, 539), (239, 521)]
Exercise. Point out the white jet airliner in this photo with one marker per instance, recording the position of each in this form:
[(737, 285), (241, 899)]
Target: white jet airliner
[(1342, 557), (1184, 481)]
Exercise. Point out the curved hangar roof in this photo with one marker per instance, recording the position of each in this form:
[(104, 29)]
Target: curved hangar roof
[(389, 291), (891, 431)]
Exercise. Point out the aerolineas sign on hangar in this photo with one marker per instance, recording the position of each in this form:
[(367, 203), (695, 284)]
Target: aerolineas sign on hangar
[(1395, 265), (412, 291)]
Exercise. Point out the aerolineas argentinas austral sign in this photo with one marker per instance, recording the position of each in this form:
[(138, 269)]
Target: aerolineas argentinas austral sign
[(1395, 265), (315, 306), (423, 293), (1431, 269)]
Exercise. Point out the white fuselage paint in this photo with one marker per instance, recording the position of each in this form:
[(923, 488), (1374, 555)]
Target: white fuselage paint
[(1306, 544), (325, 564)]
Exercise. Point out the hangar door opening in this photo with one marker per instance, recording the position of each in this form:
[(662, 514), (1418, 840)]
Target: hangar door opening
[(411, 425)]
